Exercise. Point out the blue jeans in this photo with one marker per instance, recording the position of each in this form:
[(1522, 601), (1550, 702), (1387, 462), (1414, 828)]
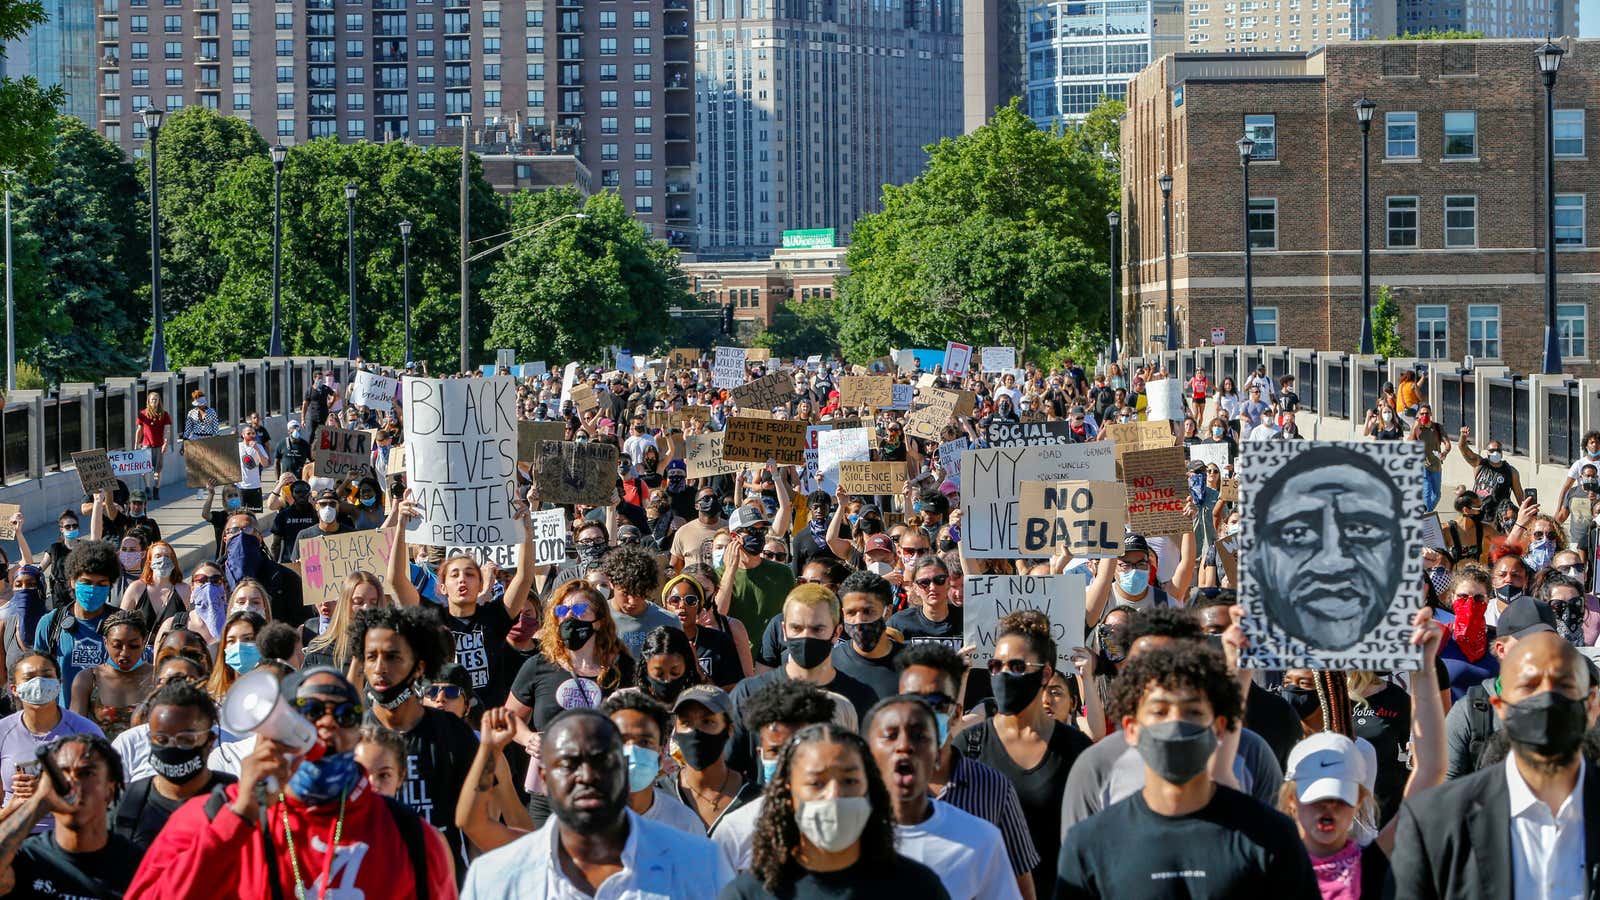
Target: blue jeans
[(1430, 489)]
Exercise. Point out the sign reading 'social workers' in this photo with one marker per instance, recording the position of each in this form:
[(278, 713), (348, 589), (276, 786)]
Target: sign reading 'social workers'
[(461, 460)]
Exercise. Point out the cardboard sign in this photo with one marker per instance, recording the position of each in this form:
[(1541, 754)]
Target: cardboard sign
[(569, 472), (957, 358), (998, 359), (397, 460), (1087, 517), (836, 446), (1228, 556), (7, 532), (1164, 400), (871, 478), (327, 559), (991, 481), (1229, 491), (1130, 436), (374, 391), (1341, 600), (929, 421), (701, 414), (751, 414), (758, 354), (530, 433), (902, 397), (684, 358), (211, 461), (703, 456), (461, 460), (1158, 487), (727, 371), (986, 599), (1002, 433), (950, 459), (927, 380), (94, 471), (341, 452), (132, 462), (1210, 454), (585, 398), (757, 440), (774, 389), (866, 391), (658, 419)]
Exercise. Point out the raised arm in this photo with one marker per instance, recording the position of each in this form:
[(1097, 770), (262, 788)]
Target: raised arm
[(516, 595), (97, 520), (780, 483), (1467, 454), (400, 556), (487, 783), (24, 554), (1429, 755), (840, 546)]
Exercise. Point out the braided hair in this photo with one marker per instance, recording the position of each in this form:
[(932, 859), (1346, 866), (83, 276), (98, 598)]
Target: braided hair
[(1333, 695)]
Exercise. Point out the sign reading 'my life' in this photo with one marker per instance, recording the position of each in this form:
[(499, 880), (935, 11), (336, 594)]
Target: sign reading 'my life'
[(461, 460), (991, 482)]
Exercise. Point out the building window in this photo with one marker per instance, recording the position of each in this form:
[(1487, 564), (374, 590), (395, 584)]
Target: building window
[(139, 24), (1402, 222), (491, 18), (1266, 318), (286, 100), (172, 24), (355, 75), (355, 101), (285, 21), (426, 126), (641, 71), (1569, 220), (1264, 223), (425, 47), (608, 71), (1572, 328), (608, 46), (1460, 134), (535, 97), (1433, 332), (491, 71), (355, 128), (610, 178), (491, 99), (1263, 129), (173, 50), (1483, 331), (641, 124), (424, 74), (641, 46), (285, 128), (141, 77), (608, 99), (285, 47), (608, 152), (608, 18), (241, 74), (241, 100), (285, 74), (355, 22), (643, 152), (643, 204), (241, 21), (643, 177), (354, 49), (1569, 132), (174, 77), (491, 46), (608, 125), (1400, 135), (641, 19), (139, 50), (1461, 221), (641, 99)]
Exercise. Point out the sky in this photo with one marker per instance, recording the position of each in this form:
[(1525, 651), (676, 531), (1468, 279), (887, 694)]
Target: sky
[(1589, 17)]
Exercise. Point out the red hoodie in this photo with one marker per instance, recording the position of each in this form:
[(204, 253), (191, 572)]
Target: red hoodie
[(194, 859)]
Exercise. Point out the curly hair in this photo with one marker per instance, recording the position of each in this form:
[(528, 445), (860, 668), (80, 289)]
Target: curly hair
[(1174, 622), (99, 746), (418, 625), (608, 647), (1470, 572), (1181, 665), (392, 741), (945, 661), (777, 834), (667, 641), (1034, 629), (870, 583), (794, 703), (183, 692), (632, 570), (94, 558), (126, 617), (640, 703)]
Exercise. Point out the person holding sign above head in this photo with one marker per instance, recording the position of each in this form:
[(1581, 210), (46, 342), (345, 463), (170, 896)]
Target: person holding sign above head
[(1132, 579)]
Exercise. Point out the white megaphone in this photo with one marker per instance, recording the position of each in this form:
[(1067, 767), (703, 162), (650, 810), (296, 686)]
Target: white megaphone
[(255, 705)]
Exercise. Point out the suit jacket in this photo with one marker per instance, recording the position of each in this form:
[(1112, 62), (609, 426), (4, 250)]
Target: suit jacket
[(1454, 841)]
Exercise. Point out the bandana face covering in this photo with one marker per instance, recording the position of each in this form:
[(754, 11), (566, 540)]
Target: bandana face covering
[(1469, 629)]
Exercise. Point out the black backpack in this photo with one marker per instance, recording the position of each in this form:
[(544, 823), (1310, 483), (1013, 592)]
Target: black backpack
[(1480, 724)]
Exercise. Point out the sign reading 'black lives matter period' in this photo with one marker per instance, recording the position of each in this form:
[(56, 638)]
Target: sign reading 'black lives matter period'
[(461, 460), (1330, 548)]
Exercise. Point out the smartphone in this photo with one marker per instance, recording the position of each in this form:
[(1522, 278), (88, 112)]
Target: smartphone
[(58, 780), (1531, 494)]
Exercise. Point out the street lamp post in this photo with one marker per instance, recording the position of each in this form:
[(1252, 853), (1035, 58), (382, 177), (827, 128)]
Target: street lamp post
[(466, 203), (405, 291), (275, 342), (1549, 57), (1113, 219), (350, 234), (11, 309), (1165, 182), (1246, 147), (1364, 110), (158, 343)]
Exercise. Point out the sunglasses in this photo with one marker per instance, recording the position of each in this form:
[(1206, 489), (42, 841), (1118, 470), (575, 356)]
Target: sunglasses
[(912, 551), (1475, 598), (935, 581), (775, 555), (204, 579), (346, 714), (444, 691), (682, 600), (1014, 666), (1572, 571), (574, 609)]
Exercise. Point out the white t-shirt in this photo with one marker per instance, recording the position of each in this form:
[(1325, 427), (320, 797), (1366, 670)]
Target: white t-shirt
[(669, 810), (736, 834), (1575, 471), (251, 459), (967, 852), (1263, 432), (635, 446)]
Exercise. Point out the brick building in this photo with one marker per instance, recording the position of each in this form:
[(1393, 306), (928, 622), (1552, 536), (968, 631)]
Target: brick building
[(1457, 197), (758, 288)]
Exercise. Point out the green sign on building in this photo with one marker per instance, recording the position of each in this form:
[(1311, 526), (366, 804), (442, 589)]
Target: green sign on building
[(808, 238)]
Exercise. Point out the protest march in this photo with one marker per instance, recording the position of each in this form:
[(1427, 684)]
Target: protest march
[(726, 625)]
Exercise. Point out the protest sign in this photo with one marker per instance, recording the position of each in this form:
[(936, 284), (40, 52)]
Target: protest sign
[(757, 440), (727, 371), (950, 459), (752, 414), (1164, 399), (957, 359), (325, 561), (703, 456), (397, 460), (814, 361), (836, 446), (504, 556), (530, 433), (866, 391), (1088, 517), (1340, 600), (1432, 534), (585, 398), (1210, 454), (7, 511), (991, 480), (657, 419), (211, 461), (341, 452), (1228, 556), (986, 599), (570, 472), (624, 359), (871, 478), (683, 414), (1158, 487), (997, 359), (1229, 491), (902, 397), (684, 358), (533, 370), (569, 380), (373, 391), (132, 462), (549, 537), (1002, 433), (774, 389), (929, 421), (1130, 436), (461, 460), (758, 354), (94, 471)]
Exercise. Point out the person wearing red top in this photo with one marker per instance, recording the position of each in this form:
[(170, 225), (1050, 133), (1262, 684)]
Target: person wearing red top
[(215, 850), (1199, 387), (155, 433)]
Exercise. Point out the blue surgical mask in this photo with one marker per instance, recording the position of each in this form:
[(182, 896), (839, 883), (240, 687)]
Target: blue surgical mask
[(322, 780), (716, 557), (368, 501), (643, 766), (91, 596), (242, 657), (769, 770), (234, 502), (138, 663), (70, 534), (295, 434), (1134, 581)]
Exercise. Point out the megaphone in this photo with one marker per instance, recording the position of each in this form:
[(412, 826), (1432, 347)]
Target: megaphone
[(255, 705)]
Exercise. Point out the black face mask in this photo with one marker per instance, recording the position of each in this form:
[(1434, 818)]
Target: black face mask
[(178, 764), (1507, 592), (808, 652), (667, 691), (946, 545), (865, 635), (394, 696), (707, 505), (1304, 700), (575, 633), (869, 527), (1013, 693), (700, 750), (1548, 723), (752, 543)]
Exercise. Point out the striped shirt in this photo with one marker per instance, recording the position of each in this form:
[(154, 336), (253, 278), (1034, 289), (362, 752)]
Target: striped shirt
[(978, 789)]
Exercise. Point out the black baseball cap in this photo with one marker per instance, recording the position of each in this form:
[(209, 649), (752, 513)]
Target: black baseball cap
[(1525, 616), (327, 496), (1135, 542)]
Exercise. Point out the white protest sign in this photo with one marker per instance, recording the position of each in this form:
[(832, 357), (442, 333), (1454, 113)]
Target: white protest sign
[(1165, 398), (504, 556), (986, 599), (814, 361), (569, 379), (505, 358), (461, 460), (1210, 454), (534, 369), (837, 445), (904, 360), (625, 361), (950, 459), (373, 391), (991, 485), (131, 462), (549, 537), (998, 359), (728, 369), (957, 358)]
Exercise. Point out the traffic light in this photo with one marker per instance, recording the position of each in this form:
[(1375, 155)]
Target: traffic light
[(727, 319)]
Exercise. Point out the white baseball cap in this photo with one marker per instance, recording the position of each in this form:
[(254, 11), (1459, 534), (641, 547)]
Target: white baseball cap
[(1327, 766)]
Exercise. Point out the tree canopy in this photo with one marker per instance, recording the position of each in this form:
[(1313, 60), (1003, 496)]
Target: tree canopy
[(27, 108)]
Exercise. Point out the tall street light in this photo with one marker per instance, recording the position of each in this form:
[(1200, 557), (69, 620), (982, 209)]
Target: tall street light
[(1113, 219), (158, 343), (466, 202), (1165, 181), (405, 291), (11, 309), (1549, 57), (1364, 110), (350, 234), (1246, 147), (279, 154)]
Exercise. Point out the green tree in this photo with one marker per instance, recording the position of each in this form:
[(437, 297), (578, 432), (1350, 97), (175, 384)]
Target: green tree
[(1435, 34), (27, 108), (568, 290), (1386, 324), (395, 181), (802, 328), (1000, 240)]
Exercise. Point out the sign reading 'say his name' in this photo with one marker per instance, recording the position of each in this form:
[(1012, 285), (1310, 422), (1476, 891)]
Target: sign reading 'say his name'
[(461, 460), (1330, 548)]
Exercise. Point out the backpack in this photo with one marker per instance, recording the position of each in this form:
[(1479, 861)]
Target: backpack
[(57, 588), (1480, 724)]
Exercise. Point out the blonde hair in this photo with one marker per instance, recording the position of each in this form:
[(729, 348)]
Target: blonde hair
[(814, 595), (335, 639), (1366, 807)]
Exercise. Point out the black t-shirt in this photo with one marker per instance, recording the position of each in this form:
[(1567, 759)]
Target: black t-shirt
[(480, 641), (42, 869), (878, 674), (719, 660), (901, 877), (918, 627), (1039, 788), (289, 524), (1385, 721), (439, 752), (1232, 847), (1493, 484), (143, 811), (1271, 716), (547, 689), (742, 746)]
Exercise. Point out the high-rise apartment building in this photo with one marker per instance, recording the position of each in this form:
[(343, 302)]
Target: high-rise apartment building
[(803, 111), (994, 44), (1082, 52), (608, 80), (1495, 18), (61, 50), (1238, 26)]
